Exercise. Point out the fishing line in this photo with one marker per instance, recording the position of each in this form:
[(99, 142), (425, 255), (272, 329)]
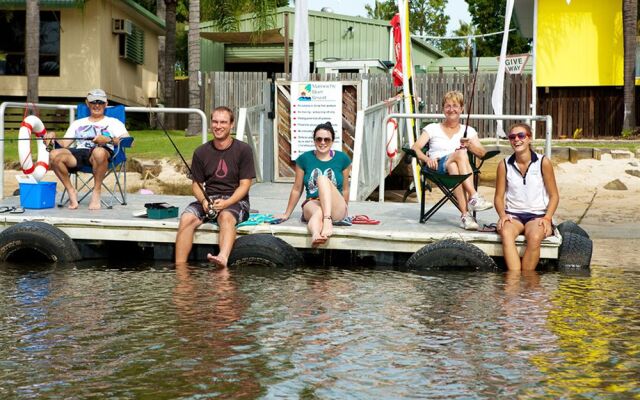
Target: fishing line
[(473, 91), (211, 212)]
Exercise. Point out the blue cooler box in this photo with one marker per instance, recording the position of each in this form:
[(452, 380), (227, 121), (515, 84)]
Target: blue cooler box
[(38, 195)]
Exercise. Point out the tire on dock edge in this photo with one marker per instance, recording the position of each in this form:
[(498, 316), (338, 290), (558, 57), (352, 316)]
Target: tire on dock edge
[(571, 227), (450, 253), (575, 252), (39, 237), (264, 250)]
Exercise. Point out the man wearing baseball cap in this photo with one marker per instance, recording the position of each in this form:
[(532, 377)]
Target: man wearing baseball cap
[(92, 145)]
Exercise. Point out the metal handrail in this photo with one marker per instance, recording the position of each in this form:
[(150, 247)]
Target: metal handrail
[(72, 109), (543, 118)]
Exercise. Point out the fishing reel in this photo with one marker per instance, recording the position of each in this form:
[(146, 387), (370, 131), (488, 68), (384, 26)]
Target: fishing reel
[(211, 212)]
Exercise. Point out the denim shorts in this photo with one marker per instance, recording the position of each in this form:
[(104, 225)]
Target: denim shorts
[(441, 164)]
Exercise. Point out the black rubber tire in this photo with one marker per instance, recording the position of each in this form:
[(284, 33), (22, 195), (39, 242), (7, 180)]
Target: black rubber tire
[(575, 252), (264, 250), (450, 253), (572, 227), (39, 237)]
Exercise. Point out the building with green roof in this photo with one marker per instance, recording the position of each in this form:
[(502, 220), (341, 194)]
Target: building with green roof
[(337, 43)]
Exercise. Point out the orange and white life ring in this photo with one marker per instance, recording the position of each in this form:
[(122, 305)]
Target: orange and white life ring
[(392, 138), (33, 124)]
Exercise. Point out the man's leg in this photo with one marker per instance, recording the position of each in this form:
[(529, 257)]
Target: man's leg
[(99, 162), (61, 160), (226, 238), (184, 238)]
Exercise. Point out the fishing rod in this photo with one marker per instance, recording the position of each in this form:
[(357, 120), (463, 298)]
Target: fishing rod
[(473, 90), (211, 212)]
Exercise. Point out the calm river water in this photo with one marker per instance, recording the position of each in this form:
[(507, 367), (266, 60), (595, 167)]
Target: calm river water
[(154, 332)]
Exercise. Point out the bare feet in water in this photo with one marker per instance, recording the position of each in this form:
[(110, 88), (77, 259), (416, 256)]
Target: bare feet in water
[(218, 260)]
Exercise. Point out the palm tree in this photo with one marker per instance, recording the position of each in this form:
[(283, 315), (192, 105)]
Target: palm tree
[(32, 49), (170, 59), (194, 65), (630, 23)]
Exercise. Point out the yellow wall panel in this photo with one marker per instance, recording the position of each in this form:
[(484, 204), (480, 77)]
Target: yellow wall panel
[(580, 43)]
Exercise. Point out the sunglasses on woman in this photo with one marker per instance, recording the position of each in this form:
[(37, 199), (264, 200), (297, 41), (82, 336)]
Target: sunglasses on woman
[(323, 139), (519, 135)]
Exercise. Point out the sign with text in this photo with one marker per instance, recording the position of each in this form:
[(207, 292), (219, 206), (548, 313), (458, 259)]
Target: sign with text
[(314, 103), (514, 63)]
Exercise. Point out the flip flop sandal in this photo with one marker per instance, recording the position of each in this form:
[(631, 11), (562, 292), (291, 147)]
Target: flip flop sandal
[(5, 209), (488, 228), (17, 210), (363, 220)]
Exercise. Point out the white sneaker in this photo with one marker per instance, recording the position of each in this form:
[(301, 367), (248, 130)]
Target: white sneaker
[(469, 223), (478, 203)]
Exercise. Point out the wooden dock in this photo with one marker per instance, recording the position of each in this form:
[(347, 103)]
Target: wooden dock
[(398, 232)]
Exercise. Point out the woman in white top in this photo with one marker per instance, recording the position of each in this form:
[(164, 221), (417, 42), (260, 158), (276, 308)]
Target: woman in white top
[(526, 198), (448, 154)]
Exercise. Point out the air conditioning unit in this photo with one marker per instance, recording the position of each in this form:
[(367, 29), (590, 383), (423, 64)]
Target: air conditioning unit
[(121, 26)]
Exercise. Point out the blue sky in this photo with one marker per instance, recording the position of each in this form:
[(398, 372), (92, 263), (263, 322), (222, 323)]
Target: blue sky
[(456, 9)]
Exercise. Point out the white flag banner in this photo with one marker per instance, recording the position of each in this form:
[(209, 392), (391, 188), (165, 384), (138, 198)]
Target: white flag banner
[(300, 62), (497, 96)]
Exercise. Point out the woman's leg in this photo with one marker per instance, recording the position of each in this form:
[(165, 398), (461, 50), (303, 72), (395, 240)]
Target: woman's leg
[(533, 233), (509, 233), (332, 204), (460, 159), (453, 168), (313, 215)]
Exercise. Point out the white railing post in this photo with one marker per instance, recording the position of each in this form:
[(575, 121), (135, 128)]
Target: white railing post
[(357, 155)]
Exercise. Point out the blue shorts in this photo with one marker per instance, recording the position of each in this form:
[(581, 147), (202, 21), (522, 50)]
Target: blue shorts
[(441, 164), (524, 217)]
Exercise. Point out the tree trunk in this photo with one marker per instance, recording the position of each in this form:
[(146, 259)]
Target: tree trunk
[(161, 13), (630, 22), (170, 61), (32, 49), (194, 67)]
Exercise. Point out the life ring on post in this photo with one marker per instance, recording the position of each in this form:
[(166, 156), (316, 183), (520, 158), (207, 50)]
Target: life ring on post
[(392, 134), (29, 125)]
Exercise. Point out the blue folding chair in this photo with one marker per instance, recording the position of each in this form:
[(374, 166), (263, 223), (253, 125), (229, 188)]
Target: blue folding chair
[(117, 166)]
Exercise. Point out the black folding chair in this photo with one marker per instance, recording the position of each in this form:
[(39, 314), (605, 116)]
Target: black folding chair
[(445, 182)]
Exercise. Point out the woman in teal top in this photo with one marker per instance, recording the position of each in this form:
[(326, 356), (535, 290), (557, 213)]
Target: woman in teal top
[(324, 173)]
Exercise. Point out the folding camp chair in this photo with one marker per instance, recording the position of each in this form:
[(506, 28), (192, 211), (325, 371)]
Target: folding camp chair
[(445, 182), (117, 167)]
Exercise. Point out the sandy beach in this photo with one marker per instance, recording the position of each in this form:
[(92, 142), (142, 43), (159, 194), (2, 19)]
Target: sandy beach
[(610, 216)]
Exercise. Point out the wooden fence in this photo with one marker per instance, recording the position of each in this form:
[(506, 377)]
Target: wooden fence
[(590, 112), (595, 111)]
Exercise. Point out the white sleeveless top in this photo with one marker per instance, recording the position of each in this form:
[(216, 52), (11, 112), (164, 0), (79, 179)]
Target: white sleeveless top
[(526, 192)]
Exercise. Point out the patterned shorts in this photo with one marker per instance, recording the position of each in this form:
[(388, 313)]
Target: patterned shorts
[(240, 210)]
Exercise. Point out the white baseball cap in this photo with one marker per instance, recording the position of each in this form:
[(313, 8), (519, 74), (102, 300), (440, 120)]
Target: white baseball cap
[(97, 94)]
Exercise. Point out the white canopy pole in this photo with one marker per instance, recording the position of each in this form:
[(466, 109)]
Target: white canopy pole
[(497, 98)]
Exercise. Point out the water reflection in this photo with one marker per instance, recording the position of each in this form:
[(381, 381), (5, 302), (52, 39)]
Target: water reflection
[(209, 305), (163, 332)]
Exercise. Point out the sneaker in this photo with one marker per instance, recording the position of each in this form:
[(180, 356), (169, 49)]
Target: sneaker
[(478, 203), (469, 223)]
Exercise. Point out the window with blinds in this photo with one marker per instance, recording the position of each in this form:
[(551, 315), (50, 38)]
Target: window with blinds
[(131, 46)]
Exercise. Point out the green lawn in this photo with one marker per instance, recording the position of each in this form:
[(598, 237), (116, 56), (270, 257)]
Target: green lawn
[(153, 145), (148, 145)]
